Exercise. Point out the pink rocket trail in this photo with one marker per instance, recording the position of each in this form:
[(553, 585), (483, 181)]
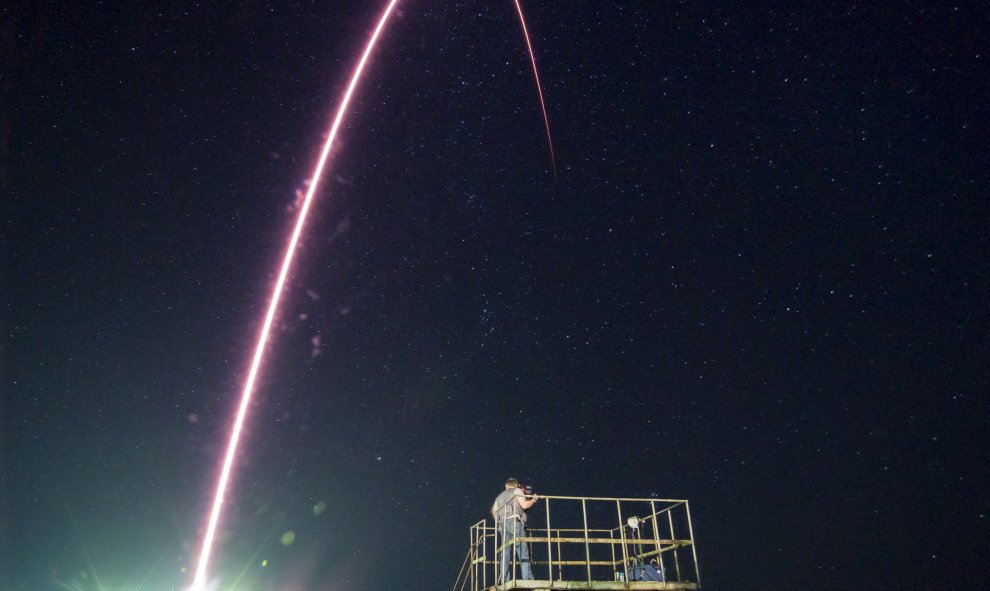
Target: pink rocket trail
[(539, 88), (199, 581), (200, 578)]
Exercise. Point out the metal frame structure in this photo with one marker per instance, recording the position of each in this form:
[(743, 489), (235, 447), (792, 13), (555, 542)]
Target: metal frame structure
[(605, 540)]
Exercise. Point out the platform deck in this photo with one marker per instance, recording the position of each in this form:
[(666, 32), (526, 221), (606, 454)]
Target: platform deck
[(594, 585)]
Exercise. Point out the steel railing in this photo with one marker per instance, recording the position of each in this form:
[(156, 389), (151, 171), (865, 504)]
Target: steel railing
[(599, 547)]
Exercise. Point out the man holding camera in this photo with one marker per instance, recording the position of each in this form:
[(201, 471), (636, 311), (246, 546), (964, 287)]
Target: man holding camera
[(509, 512)]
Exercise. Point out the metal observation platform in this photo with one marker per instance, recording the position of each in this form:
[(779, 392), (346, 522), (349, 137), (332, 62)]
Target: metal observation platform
[(589, 543)]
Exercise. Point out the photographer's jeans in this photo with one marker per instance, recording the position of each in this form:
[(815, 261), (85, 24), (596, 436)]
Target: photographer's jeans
[(512, 529)]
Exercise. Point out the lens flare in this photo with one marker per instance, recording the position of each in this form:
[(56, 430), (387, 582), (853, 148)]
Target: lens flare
[(199, 581)]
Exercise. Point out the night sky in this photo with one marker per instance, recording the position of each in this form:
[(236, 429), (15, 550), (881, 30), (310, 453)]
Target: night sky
[(759, 283)]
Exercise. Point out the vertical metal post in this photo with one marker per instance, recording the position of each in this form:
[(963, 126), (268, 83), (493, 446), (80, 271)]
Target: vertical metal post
[(587, 548), (677, 560), (512, 549), (549, 544), (622, 536), (611, 539), (499, 575), (656, 540), (479, 543), (694, 547)]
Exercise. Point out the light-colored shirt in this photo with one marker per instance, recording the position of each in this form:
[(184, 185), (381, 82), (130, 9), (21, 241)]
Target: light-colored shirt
[(507, 506)]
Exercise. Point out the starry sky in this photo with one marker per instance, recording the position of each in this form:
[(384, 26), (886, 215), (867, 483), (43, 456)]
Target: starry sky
[(758, 282)]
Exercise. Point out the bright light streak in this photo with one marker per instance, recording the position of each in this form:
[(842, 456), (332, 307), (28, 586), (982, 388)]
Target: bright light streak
[(199, 581), (539, 88)]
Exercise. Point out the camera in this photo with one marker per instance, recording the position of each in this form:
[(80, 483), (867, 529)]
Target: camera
[(527, 489)]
